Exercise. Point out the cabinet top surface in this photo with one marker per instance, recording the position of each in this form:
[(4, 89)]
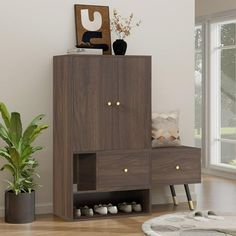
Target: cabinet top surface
[(94, 55)]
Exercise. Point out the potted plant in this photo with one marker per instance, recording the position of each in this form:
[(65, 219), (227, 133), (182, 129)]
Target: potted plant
[(122, 27), (20, 194)]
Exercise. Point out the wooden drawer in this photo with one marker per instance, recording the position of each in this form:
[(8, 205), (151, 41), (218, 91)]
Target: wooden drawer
[(123, 171), (176, 165)]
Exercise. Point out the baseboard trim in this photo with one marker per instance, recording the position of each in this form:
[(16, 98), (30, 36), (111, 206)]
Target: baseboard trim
[(39, 209), (219, 173), (47, 208), (181, 198)]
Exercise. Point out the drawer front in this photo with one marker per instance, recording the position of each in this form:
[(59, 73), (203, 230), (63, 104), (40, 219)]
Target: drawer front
[(176, 165), (123, 171)]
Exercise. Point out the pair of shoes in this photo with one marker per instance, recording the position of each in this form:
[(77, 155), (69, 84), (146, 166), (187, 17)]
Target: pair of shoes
[(105, 209), (205, 216), (128, 208), (136, 207), (77, 212), (86, 211), (112, 209)]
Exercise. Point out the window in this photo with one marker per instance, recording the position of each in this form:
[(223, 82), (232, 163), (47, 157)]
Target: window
[(198, 84), (223, 94)]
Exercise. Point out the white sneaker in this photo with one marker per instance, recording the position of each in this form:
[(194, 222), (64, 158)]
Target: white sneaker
[(101, 210), (86, 211), (136, 207), (213, 215), (124, 207), (77, 212), (112, 209)]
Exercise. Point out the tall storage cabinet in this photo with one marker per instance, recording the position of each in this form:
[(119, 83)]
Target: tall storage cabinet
[(102, 131)]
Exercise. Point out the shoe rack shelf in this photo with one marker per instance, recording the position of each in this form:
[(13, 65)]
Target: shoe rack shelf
[(91, 199), (86, 190), (108, 216)]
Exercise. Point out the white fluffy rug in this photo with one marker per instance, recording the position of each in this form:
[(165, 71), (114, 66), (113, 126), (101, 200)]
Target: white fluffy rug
[(184, 224)]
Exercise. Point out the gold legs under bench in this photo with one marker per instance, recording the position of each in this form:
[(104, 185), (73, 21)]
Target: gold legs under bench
[(188, 194)]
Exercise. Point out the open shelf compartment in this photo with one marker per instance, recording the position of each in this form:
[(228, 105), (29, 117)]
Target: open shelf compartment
[(84, 171), (95, 198)]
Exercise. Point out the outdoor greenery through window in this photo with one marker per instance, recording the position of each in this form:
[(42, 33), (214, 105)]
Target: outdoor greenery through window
[(228, 93), (198, 85), (223, 76)]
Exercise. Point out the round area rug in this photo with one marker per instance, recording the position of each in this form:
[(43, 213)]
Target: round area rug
[(185, 224)]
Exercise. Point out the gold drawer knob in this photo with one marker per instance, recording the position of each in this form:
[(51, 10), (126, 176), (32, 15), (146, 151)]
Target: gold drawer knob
[(126, 170), (177, 167), (118, 103), (109, 104)]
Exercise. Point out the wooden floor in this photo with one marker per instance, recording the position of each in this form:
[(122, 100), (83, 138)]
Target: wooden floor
[(214, 193)]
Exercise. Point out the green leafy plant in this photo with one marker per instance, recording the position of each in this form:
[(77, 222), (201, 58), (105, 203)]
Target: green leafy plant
[(19, 149)]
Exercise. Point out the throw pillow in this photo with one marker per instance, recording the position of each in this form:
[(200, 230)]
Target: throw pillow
[(165, 129)]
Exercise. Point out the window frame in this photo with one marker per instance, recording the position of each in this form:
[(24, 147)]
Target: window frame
[(201, 24), (215, 80), (209, 148)]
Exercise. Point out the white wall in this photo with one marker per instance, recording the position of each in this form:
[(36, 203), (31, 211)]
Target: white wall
[(208, 7), (32, 31)]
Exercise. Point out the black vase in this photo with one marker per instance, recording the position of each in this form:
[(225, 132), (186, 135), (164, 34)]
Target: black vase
[(119, 47), (19, 209)]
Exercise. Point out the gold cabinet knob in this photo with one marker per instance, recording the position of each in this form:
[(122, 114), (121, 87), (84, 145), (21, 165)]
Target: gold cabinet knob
[(109, 104), (177, 167), (126, 170), (118, 103)]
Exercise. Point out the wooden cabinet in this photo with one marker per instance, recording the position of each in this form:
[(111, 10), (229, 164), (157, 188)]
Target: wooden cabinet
[(102, 135), (176, 165), (133, 116), (92, 90), (111, 102), (102, 131)]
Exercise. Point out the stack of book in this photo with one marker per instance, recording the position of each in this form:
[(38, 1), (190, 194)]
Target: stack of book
[(92, 51)]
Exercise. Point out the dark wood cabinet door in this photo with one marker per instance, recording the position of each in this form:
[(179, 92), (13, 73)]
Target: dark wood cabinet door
[(123, 171), (176, 165), (92, 91), (132, 116)]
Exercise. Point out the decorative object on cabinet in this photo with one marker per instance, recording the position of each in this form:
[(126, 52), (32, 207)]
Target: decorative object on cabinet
[(122, 27), (165, 129), (102, 140), (20, 195), (119, 47), (82, 51), (93, 27)]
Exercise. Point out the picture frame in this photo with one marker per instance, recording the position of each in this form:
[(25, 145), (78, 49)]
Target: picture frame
[(93, 27)]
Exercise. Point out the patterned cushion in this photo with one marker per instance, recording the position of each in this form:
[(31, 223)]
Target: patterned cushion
[(165, 129)]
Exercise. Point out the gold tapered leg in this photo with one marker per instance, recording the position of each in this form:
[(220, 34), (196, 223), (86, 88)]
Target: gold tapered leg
[(191, 206), (175, 200)]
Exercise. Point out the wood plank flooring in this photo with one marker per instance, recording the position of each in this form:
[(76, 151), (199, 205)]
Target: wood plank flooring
[(214, 193)]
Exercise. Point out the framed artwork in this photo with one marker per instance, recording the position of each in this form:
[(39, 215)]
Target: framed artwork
[(93, 27)]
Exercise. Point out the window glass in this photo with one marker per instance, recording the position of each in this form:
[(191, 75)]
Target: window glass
[(228, 153), (227, 34), (198, 86), (228, 94)]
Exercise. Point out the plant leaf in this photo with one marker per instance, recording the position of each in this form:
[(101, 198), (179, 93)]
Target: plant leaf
[(15, 157), (5, 154), (5, 114), (9, 167), (15, 129), (36, 132), (37, 119), (28, 132), (4, 134)]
